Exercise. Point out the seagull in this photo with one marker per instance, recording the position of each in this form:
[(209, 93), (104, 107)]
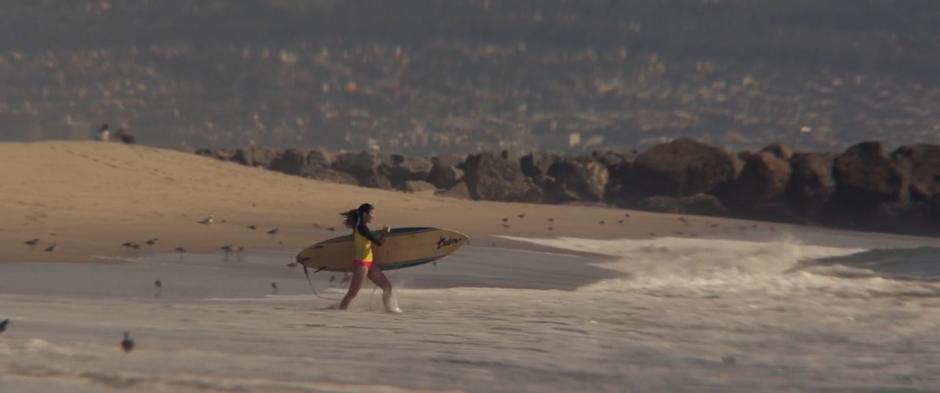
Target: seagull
[(127, 344), (152, 241), (32, 242), (132, 245), (252, 227), (273, 231), (3, 325), (51, 248), (206, 221)]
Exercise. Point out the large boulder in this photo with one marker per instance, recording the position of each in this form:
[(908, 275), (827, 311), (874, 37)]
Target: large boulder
[(400, 169), (576, 179), (535, 165), (263, 156), (291, 162), (243, 156), (762, 182), (912, 218), (682, 167), (811, 183), (444, 176), (366, 167), (866, 176), (922, 162), (495, 177)]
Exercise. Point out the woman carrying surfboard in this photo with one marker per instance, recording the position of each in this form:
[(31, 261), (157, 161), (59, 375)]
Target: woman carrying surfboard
[(363, 265)]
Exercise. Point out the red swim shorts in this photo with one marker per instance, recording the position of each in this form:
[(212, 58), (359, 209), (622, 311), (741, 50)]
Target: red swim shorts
[(358, 263)]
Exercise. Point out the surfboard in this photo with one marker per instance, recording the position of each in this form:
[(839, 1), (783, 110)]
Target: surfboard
[(403, 247)]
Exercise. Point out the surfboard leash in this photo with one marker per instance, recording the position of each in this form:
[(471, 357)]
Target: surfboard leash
[(309, 281)]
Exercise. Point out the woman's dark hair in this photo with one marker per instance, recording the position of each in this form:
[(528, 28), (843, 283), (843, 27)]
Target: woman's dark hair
[(352, 217)]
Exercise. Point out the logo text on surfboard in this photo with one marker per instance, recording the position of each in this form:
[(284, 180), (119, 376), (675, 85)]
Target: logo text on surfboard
[(444, 242)]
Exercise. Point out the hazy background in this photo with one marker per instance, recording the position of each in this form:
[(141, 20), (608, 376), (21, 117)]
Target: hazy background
[(427, 77)]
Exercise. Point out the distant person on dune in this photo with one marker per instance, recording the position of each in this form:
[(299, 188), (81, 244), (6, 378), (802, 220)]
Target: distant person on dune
[(363, 239), (123, 136), (104, 134)]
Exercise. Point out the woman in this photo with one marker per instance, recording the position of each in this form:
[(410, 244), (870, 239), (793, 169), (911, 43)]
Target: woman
[(362, 257)]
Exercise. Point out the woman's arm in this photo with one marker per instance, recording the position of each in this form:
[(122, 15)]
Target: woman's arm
[(366, 233)]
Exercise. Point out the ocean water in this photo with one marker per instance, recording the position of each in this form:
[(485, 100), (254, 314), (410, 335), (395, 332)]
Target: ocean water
[(658, 315)]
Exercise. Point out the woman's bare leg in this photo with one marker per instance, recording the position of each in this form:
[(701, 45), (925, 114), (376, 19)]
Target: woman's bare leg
[(359, 274), (381, 281)]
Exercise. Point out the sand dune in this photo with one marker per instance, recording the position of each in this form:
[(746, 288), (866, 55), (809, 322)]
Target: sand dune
[(89, 198)]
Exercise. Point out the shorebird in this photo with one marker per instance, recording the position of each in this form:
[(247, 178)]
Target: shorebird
[(506, 225), (652, 234), (227, 249), (627, 215), (714, 225), (331, 229), (274, 287), (551, 219), (274, 231), (551, 229), (602, 222), (180, 250), (31, 242), (3, 325), (504, 219), (240, 249), (252, 227), (132, 245), (127, 344), (620, 221), (521, 215), (292, 265), (152, 241), (684, 221), (159, 285), (315, 225), (206, 221), (51, 248)]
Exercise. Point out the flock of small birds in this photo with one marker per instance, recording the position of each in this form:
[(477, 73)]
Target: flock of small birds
[(126, 344), (504, 222)]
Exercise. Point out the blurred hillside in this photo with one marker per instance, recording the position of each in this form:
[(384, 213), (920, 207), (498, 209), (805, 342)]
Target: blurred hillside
[(462, 75)]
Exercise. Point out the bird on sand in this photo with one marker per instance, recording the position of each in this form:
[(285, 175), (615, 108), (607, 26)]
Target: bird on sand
[(551, 219), (684, 221), (620, 221), (315, 225), (602, 222), (551, 229), (274, 287), (159, 288), (31, 242), (4, 324), (504, 219), (152, 241), (292, 265), (331, 229), (180, 250), (520, 215), (51, 248), (506, 225), (131, 245), (252, 227), (127, 343), (274, 231), (206, 221)]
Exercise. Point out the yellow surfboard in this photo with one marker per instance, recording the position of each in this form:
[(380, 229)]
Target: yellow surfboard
[(402, 247)]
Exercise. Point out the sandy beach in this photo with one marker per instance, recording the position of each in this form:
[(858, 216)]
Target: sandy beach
[(607, 300)]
